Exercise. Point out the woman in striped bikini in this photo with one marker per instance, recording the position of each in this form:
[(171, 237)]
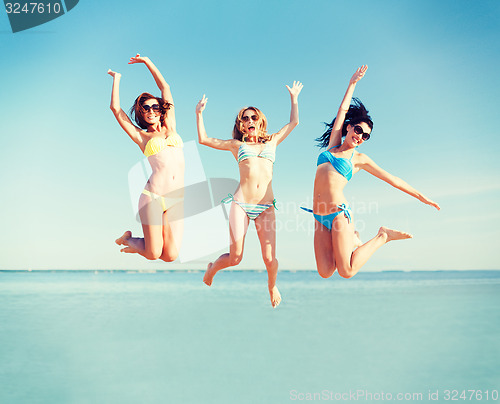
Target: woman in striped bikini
[(254, 150), (161, 202)]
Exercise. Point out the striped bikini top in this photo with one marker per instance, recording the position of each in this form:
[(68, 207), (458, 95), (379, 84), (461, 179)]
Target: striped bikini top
[(246, 151), (158, 143), (342, 165)]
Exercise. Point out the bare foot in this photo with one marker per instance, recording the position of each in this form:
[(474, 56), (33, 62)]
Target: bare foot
[(357, 240), (129, 250), (275, 296), (122, 240), (209, 276), (393, 234)]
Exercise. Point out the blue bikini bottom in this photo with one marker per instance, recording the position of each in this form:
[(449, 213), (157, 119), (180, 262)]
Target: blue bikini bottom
[(327, 220)]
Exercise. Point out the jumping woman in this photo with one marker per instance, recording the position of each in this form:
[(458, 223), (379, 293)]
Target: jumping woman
[(254, 150), (161, 201), (334, 237)]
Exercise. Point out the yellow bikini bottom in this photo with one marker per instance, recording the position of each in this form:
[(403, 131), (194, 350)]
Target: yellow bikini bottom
[(165, 201)]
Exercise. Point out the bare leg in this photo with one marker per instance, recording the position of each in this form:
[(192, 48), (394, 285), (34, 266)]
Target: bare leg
[(323, 250), (238, 226), (150, 247), (173, 227), (348, 262), (266, 230), (357, 240)]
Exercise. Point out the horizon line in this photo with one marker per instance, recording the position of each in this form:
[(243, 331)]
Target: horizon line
[(230, 270)]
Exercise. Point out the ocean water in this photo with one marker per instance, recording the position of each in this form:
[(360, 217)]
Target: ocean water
[(167, 338)]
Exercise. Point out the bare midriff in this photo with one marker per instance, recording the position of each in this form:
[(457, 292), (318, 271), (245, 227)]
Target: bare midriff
[(328, 190), (256, 175), (168, 172)]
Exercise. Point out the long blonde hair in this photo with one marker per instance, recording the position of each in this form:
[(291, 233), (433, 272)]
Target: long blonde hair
[(261, 126)]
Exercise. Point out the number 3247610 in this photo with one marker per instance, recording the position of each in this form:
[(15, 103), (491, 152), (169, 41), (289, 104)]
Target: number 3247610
[(33, 8), (469, 395)]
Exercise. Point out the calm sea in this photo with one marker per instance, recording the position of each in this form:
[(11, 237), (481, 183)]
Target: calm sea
[(167, 338)]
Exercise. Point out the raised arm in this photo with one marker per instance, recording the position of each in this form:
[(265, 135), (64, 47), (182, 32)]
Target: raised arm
[(160, 81), (369, 165), (294, 113), (133, 131), (218, 144), (166, 95), (336, 135)]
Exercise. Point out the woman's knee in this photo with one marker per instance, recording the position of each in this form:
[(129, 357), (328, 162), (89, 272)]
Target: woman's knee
[(152, 253), (235, 258), (269, 260), (326, 272), (169, 253), (169, 257), (346, 271)]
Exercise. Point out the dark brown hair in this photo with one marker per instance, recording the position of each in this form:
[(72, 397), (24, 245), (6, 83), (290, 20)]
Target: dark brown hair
[(357, 113), (136, 112)]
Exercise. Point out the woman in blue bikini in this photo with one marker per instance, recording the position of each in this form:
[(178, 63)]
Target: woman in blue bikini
[(161, 202), (254, 150), (334, 238)]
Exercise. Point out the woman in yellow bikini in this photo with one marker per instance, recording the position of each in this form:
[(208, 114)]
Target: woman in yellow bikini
[(254, 150), (161, 201)]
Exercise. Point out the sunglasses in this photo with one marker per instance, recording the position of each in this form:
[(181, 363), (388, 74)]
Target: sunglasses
[(358, 130), (246, 118), (154, 107)]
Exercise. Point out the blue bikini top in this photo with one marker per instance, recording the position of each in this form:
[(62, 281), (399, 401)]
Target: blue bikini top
[(246, 151), (342, 165)]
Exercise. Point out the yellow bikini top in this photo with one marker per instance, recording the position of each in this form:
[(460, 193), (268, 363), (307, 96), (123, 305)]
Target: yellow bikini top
[(158, 143)]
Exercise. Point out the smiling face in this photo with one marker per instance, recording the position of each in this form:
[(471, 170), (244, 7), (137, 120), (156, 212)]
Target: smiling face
[(357, 134), (150, 111)]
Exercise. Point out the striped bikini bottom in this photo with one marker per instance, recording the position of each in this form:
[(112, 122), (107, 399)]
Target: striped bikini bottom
[(252, 210)]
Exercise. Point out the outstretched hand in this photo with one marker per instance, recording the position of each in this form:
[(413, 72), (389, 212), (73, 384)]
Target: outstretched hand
[(358, 75), (114, 74), (137, 59), (296, 89), (430, 202), (201, 104)]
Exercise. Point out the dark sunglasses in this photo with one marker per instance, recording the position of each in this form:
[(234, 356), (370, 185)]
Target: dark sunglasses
[(154, 107), (358, 130), (246, 118)]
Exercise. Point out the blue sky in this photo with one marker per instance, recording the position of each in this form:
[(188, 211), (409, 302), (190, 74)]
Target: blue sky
[(431, 88)]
